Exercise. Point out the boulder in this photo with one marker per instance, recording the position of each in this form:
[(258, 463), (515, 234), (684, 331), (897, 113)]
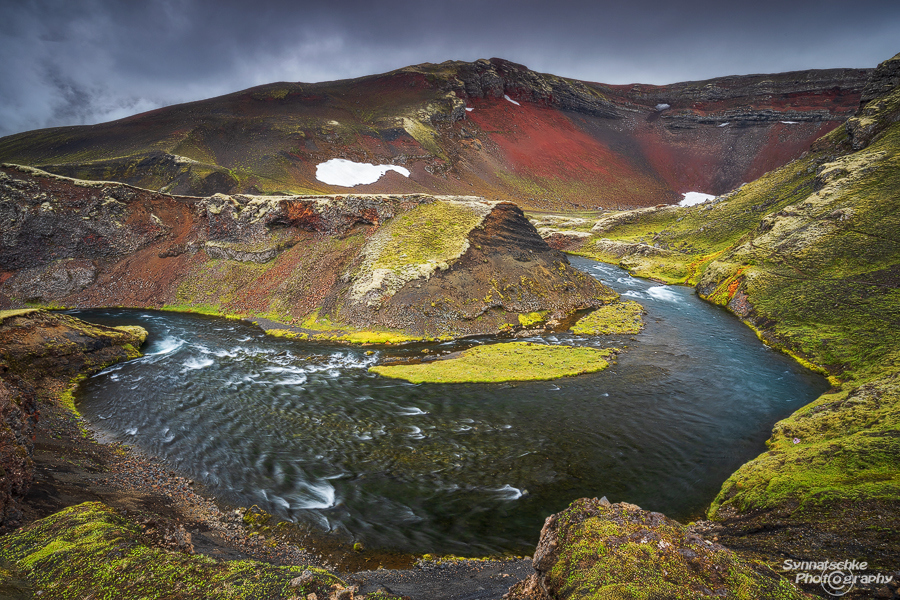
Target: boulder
[(598, 550)]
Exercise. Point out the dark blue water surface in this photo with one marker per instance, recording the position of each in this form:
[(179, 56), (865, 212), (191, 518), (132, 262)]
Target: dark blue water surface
[(304, 431)]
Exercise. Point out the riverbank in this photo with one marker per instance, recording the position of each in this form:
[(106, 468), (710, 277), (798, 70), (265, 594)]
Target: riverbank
[(139, 479), (177, 514), (84, 495), (807, 256)]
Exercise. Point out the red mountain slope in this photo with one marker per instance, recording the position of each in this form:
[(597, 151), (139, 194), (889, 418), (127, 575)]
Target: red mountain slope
[(566, 144)]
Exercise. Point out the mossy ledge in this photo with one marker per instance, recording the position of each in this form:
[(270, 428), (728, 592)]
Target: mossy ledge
[(91, 551), (510, 361), (617, 318), (43, 357), (808, 256)]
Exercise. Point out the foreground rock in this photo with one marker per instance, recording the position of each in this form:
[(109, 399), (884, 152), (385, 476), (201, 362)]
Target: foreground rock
[(598, 550), (90, 550), (360, 268), (40, 354)]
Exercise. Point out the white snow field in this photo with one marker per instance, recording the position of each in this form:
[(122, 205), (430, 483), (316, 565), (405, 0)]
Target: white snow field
[(692, 198), (346, 173)]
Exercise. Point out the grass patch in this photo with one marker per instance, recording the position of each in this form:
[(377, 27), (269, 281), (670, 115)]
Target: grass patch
[(90, 551), (16, 312), (513, 361), (617, 318), (415, 244)]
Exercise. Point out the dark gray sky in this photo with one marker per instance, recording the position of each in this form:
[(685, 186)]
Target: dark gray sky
[(68, 62)]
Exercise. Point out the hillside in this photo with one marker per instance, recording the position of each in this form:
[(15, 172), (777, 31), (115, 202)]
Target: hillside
[(489, 128), (809, 256), (357, 267)]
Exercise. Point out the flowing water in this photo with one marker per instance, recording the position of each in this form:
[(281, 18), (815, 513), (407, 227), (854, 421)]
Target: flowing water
[(304, 431)]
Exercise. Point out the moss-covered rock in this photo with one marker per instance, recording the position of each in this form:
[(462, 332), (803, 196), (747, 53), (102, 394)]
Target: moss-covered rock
[(617, 318), (512, 361), (90, 550), (598, 550)]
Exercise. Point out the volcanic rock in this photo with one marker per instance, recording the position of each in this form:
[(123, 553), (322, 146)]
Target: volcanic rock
[(594, 549), (40, 353), (557, 143), (416, 265)]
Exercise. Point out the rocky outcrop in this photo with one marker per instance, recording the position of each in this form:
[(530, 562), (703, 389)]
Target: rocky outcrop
[(71, 553), (884, 80), (880, 106), (795, 90), (18, 416), (595, 549), (416, 265), (504, 270), (40, 353), (497, 77)]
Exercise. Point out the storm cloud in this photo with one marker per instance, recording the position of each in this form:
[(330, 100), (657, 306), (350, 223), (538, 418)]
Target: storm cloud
[(70, 63)]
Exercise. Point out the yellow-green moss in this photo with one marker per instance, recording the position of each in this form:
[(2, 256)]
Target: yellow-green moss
[(201, 309), (513, 361), (617, 318), (90, 551), (321, 327), (287, 333), (67, 398), (16, 312), (619, 551), (415, 244), (533, 318), (135, 330), (371, 337)]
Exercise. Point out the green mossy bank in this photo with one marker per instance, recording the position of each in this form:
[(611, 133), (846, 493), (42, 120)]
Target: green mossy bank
[(809, 257), (91, 551), (494, 363), (617, 318)]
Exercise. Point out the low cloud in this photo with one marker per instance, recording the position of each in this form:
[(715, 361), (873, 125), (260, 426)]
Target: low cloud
[(72, 63)]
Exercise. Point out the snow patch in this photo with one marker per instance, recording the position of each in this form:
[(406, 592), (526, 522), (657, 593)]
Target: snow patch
[(790, 122), (662, 106), (469, 109), (346, 173), (511, 100), (692, 198), (724, 124)]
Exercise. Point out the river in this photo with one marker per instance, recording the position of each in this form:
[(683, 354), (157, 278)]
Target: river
[(304, 431)]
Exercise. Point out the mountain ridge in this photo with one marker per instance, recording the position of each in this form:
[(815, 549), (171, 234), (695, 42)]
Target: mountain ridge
[(558, 143)]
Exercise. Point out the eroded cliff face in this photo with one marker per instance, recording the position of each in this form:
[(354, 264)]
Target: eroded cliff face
[(415, 265), (555, 143), (40, 353)]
